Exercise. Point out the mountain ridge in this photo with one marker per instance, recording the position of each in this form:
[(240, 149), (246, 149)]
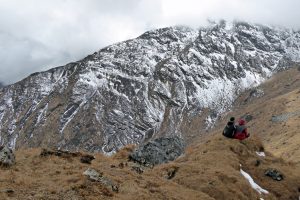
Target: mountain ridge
[(143, 88), (211, 167)]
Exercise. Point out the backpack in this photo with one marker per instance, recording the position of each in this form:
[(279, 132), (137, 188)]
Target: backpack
[(241, 132), (240, 128), (229, 130)]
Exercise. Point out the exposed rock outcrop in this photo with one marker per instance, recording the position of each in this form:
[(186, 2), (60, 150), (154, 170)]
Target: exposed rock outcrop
[(7, 156), (284, 117), (84, 158), (274, 174), (143, 88), (93, 175), (161, 150)]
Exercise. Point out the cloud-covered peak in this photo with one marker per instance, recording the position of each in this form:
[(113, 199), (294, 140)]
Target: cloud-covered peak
[(38, 35)]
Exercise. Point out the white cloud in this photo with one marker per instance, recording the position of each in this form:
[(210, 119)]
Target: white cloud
[(36, 35), (193, 12)]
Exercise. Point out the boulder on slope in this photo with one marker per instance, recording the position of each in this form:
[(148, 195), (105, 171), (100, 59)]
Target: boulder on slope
[(158, 151), (7, 157)]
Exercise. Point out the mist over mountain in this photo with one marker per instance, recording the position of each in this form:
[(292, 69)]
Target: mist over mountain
[(140, 89), (46, 34)]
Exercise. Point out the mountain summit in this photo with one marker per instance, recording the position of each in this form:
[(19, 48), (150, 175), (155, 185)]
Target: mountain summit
[(143, 88)]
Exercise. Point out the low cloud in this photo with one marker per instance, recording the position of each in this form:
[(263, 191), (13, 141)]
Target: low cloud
[(37, 35)]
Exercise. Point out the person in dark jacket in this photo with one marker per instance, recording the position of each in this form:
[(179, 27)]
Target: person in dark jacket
[(241, 132), (229, 129)]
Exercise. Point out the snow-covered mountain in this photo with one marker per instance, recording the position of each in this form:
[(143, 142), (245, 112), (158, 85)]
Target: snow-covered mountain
[(143, 88)]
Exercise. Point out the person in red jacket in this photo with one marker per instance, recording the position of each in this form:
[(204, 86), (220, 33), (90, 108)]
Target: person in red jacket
[(241, 130)]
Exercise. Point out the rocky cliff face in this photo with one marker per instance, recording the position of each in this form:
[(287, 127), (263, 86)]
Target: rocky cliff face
[(143, 88)]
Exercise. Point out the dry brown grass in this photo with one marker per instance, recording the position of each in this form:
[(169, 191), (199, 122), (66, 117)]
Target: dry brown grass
[(124, 152), (282, 95), (210, 168), (217, 162)]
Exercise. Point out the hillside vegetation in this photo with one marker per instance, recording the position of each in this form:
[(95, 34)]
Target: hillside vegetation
[(209, 169), (275, 115)]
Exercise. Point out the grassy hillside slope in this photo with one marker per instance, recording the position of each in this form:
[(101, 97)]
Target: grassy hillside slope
[(209, 169), (276, 115)]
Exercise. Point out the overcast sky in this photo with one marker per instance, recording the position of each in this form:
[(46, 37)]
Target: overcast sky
[(36, 35)]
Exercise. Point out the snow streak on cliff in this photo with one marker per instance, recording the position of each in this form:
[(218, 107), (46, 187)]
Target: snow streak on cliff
[(138, 89)]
